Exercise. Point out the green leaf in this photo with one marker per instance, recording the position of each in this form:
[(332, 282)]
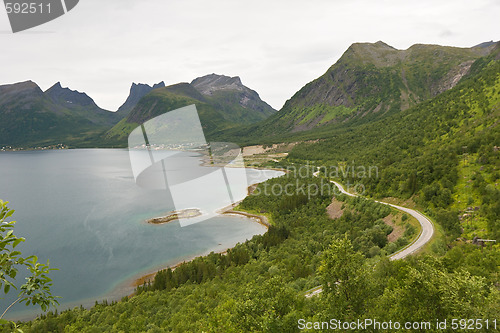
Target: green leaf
[(9, 213)]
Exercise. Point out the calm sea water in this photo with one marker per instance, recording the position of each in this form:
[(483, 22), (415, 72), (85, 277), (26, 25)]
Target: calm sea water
[(82, 210)]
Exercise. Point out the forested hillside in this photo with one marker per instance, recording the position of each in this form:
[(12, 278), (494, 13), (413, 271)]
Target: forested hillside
[(424, 151)]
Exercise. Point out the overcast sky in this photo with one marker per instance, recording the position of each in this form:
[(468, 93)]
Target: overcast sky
[(276, 47)]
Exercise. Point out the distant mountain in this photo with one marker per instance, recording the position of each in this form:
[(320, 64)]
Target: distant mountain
[(29, 117), (137, 91), (486, 44), (19, 93), (239, 103), (222, 102), (81, 104), (371, 79), (70, 98)]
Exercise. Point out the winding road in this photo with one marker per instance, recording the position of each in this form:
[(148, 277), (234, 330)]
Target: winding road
[(425, 234), (427, 230)]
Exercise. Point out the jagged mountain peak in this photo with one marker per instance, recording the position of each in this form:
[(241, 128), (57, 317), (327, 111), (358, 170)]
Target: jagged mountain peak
[(385, 45), (159, 85), (58, 86), (145, 85), (69, 97), (137, 91), (211, 83)]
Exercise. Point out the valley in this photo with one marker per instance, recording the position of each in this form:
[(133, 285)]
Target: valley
[(424, 119)]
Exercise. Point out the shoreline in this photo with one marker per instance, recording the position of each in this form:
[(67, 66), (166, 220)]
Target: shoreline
[(149, 277), (225, 211)]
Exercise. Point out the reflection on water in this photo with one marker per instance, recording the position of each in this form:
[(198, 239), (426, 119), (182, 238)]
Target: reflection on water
[(82, 210)]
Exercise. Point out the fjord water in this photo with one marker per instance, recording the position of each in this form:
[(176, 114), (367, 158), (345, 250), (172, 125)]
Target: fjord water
[(82, 210)]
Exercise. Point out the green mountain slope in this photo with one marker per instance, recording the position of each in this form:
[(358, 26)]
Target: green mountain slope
[(368, 81), (29, 118), (425, 151)]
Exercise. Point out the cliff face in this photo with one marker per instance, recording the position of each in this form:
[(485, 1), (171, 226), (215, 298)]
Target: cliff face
[(69, 98), (137, 91), (229, 94)]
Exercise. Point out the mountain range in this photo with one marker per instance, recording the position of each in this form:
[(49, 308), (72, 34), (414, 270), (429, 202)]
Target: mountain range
[(80, 104), (367, 83), (30, 117), (222, 102)]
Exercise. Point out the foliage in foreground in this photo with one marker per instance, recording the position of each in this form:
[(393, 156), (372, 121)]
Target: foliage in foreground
[(36, 289)]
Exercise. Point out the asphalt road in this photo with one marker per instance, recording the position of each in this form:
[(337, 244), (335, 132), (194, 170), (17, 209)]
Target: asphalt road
[(426, 224), (424, 237)]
